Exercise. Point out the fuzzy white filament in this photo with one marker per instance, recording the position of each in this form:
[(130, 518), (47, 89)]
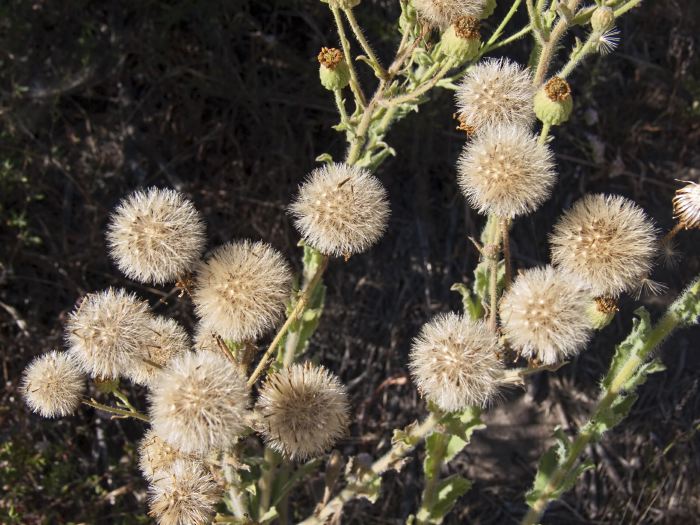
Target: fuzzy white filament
[(156, 456), (156, 236), (442, 13), (686, 205), (53, 385)]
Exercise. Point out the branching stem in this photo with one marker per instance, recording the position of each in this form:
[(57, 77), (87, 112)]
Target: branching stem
[(116, 411), (359, 35), (345, 44)]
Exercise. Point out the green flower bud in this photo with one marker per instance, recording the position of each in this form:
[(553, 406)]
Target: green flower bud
[(553, 102), (601, 312), (461, 41), (603, 19), (489, 8), (334, 71)]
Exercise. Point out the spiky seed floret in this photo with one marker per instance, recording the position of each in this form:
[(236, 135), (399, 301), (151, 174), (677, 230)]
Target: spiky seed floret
[(606, 240), (165, 339), (544, 314), (686, 205), (241, 289), (495, 91), (304, 411), (107, 332), (156, 236), (442, 13), (184, 494), (454, 362), (341, 209), (52, 384), (198, 403), (156, 456), (504, 171)]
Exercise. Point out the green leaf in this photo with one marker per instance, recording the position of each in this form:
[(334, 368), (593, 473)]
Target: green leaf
[(324, 157), (470, 301), (449, 491), (687, 306)]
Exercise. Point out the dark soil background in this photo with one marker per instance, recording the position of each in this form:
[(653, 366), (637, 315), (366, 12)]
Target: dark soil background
[(220, 99)]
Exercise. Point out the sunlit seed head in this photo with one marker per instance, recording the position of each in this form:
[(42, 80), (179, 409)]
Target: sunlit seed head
[(165, 339), (606, 240), (442, 13), (52, 384), (107, 331), (504, 171), (156, 236), (241, 289), (304, 411), (184, 494), (607, 41), (493, 92), (199, 402), (544, 315), (686, 205), (454, 362), (341, 209), (156, 456)]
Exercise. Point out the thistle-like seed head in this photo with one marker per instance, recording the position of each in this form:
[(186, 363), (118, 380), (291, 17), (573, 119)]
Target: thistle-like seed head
[(241, 289), (156, 456), (606, 240), (199, 402), (504, 171), (165, 339), (686, 205), (544, 315), (304, 411), (467, 27), (184, 494), (107, 332), (495, 91), (156, 236), (454, 362), (442, 13), (52, 384), (341, 209), (330, 57)]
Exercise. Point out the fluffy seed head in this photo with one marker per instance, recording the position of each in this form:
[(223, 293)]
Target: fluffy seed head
[(107, 332), (185, 494), (155, 236), (544, 314), (304, 411), (240, 290), (341, 209), (156, 456), (686, 205), (52, 384), (442, 13), (606, 240), (198, 403), (454, 362), (495, 91), (165, 339), (505, 171)]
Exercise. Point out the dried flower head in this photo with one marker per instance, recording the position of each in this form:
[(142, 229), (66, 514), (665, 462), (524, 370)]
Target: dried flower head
[(165, 339), (341, 209), (156, 456), (156, 236), (184, 494), (330, 57), (442, 13), (241, 289), (544, 315), (504, 171), (107, 332), (495, 91), (454, 362), (198, 403), (304, 411), (686, 205), (608, 241), (52, 384)]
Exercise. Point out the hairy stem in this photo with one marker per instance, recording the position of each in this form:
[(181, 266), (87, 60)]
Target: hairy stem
[(501, 27), (116, 411), (432, 480), (550, 44), (359, 35), (544, 133), (492, 252), (345, 44), (505, 234)]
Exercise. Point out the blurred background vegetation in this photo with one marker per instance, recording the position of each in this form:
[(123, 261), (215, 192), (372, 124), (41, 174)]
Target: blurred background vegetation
[(220, 99)]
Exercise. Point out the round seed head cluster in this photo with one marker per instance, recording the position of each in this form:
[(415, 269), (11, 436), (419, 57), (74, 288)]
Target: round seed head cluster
[(341, 209), (686, 205), (454, 362), (106, 333), (184, 494), (607, 241), (544, 315), (442, 13), (304, 411), (198, 403), (156, 456), (53, 385), (156, 236), (165, 339), (504, 171), (241, 289), (495, 91)]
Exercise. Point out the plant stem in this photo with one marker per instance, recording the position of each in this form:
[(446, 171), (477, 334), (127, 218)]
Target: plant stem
[(340, 103), (629, 5), (345, 44), (505, 234), (576, 57), (544, 133), (427, 86), (293, 316), (116, 411), (238, 503), (357, 30), (271, 460), (432, 480), (512, 38), (497, 33), (492, 252), (672, 233), (550, 45)]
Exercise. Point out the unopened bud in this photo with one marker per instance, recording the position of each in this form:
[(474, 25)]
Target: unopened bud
[(553, 102), (461, 41), (603, 19), (601, 312), (334, 71)]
